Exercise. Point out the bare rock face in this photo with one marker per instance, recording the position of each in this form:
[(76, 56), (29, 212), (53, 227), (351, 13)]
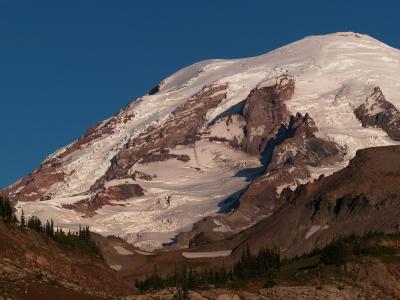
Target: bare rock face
[(182, 127), (36, 184), (113, 193), (155, 89), (264, 122), (302, 147), (287, 156), (288, 153), (378, 112), (124, 191), (218, 131), (163, 155), (360, 198), (264, 112)]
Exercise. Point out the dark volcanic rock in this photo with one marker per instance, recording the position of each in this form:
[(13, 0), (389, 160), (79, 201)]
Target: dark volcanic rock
[(124, 191), (181, 128), (113, 193), (33, 187), (287, 146), (362, 197), (142, 176), (287, 155), (302, 146), (163, 155), (378, 112), (264, 112), (155, 89)]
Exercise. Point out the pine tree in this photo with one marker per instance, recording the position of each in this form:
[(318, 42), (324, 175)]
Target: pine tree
[(6, 211), (22, 219), (335, 254)]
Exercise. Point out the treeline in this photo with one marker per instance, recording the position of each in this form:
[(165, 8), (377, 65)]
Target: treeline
[(80, 239), (6, 211), (339, 251), (268, 266), (265, 265)]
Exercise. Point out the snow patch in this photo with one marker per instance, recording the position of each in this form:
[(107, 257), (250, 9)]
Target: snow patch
[(145, 253), (212, 254), (314, 229), (333, 74), (116, 267), (221, 227), (122, 251)]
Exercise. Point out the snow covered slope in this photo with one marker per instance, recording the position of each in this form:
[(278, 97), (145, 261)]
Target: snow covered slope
[(172, 156)]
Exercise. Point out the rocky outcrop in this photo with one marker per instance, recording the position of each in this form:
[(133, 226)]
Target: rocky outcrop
[(287, 145), (264, 112), (106, 127), (378, 112), (122, 192), (162, 155), (360, 198), (302, 146), (260, 118), (227, 104), (263, 123), (288, 156), (182, 127), (36, 185), (152, 145), (105, 197), (155, 89)]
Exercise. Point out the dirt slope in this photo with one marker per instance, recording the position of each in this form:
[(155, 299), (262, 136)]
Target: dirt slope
[(32, 265)]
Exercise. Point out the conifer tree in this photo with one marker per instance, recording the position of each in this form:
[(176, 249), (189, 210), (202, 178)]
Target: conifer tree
[(22, 219), (6, 211)]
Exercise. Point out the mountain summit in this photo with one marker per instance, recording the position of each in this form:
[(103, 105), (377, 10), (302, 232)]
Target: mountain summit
[(219, 136)]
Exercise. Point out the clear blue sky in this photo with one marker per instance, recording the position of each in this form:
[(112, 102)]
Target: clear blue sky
[(64, 65)]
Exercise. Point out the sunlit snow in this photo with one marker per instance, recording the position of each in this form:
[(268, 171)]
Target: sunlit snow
[(333, 73)]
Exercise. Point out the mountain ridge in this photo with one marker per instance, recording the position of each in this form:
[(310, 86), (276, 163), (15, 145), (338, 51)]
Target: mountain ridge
[(118, 175)]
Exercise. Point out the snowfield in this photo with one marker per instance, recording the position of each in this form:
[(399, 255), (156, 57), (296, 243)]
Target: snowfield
[(212, 254), (333, 73), (181, 193)]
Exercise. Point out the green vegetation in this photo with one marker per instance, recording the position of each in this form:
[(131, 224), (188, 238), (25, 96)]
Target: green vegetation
[(292, 270), (264, 265), (80, 239), (339, 251), (6, 211)]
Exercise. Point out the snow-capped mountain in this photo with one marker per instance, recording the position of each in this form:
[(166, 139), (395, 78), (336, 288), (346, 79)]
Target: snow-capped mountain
[(218, 131)]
